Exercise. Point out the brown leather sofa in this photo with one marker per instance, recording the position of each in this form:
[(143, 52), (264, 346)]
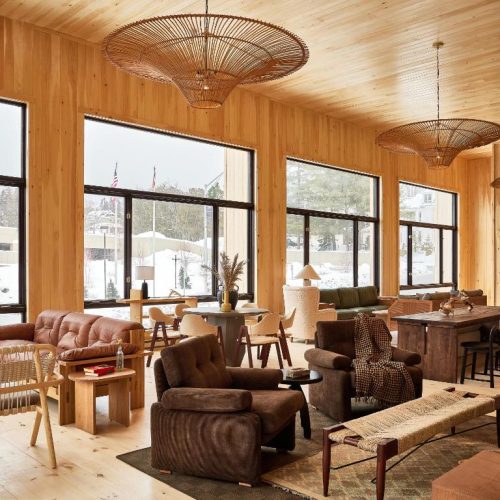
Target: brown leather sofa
[(211, 421), (333, 356), (82, 340)]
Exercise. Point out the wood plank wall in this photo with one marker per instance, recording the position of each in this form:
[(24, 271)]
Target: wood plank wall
[(62, 79)]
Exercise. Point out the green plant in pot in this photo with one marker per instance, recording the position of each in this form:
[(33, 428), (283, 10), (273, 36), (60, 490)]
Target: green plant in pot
[(229, 273)]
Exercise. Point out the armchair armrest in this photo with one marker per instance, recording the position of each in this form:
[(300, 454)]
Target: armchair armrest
[(21, 331), (386, 301), (407, 357), (207, 400), (328, 359), (97, 350), (255, 378)]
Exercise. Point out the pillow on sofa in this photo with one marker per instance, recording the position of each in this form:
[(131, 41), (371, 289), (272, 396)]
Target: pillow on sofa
[(367, 296), (348, 297), (329, 296), (97, 350), (437, 296), (472, 293)]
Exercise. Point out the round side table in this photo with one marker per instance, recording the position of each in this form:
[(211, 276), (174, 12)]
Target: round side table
[(296, 385)]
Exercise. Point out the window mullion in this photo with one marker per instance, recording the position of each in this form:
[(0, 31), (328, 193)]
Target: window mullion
[(355, 253), (306, 238), (409, 255)]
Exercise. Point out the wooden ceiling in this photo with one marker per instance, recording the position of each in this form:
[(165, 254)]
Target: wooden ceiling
[(371, 61)]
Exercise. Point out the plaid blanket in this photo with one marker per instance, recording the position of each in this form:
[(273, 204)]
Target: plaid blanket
[(388, 382)]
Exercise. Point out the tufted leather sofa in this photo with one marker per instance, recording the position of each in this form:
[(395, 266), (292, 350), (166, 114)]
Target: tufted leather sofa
[(211, 421), (82, 340)]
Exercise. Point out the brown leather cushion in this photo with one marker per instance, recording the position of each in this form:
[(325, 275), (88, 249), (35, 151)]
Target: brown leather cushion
[(47, 326), (108, 329), (337, 336), (276, 408), (98, 350), (196, 362), (74, 330)]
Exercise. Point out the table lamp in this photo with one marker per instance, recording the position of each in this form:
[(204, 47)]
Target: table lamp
[(307, 273), (144, 273)]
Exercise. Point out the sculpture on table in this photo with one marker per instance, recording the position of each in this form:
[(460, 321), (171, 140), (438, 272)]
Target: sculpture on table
[(447, 307)]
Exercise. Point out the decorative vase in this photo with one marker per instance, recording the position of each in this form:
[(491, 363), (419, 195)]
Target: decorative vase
[(233, 296), (226, 306)]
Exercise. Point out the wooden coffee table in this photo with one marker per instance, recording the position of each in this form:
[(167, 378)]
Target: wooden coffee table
[(86, 391), (296, 384)]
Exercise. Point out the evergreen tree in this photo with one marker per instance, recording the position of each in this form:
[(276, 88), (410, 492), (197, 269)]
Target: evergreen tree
[(111, 290), (184, 279), (215, 191)]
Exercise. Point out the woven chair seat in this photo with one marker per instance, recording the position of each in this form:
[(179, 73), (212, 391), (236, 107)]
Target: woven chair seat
[(416, 421)]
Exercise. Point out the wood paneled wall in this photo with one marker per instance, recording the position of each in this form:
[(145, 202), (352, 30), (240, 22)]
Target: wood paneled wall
[(62, 79)]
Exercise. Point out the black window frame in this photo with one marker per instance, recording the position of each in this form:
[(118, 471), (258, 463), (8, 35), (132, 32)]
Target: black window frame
[(409, 224), (129, 195), (307, 213), (20, 183)]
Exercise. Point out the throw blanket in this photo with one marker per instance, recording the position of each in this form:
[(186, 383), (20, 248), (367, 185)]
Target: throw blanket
[(388, 382)]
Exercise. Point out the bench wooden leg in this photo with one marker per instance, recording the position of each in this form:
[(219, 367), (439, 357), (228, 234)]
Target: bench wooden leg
[(381, 461)]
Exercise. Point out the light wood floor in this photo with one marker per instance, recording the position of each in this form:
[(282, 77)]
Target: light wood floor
[(88, 468)]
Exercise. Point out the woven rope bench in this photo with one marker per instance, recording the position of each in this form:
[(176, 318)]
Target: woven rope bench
[(395, 430)]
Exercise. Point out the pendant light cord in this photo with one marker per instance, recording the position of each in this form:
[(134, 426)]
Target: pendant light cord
[(437, 64), (206, 35)]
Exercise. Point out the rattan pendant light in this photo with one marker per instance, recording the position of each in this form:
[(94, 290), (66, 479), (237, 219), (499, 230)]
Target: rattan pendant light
[(205, 55), (439, 141)]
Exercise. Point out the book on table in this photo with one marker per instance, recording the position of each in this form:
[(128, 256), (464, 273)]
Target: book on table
[(297, 372), (98, 370)]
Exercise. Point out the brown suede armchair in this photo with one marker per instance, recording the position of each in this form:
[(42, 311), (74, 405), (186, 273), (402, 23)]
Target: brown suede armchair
[(333, 357), (211, 421)]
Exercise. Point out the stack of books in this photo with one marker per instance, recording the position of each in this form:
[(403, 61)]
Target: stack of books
[(297, 372), (98, 370)]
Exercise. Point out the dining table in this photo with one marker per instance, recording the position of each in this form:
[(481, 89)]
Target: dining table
[(230, 323)]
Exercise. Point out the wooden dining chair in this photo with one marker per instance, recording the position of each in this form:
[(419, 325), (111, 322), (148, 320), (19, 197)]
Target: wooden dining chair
[(264, 334), (26, 373), (159, 319), (193, 325), (179, 314), (286, 321)]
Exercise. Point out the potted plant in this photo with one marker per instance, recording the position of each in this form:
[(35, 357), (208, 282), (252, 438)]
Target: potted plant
[(230, 271)]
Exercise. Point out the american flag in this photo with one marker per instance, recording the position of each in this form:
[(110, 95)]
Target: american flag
[(114, 183), (153, 184)]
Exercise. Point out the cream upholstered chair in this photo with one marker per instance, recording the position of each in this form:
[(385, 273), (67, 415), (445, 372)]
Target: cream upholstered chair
[(250, 320), (179, 314), (158, 319), (305, 300), (193, 325), (25, 369), (264, 334)]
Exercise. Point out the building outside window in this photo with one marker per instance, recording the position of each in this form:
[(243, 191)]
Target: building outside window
[(428, 238), (332, 224), (12, 212), (166, 201)]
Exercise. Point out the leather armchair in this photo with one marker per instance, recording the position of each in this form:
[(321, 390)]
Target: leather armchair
[(333, 356), (211, 421)]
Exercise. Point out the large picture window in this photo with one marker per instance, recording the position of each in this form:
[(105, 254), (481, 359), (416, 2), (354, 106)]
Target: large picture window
[(332, 224), (12, 212), (428, 238), (166, 201)]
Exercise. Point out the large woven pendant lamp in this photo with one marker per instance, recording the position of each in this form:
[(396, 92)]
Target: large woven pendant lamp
[(439, 141), (205, 55)]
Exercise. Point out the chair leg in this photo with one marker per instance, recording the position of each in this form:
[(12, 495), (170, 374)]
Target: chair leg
[(284, 347), (48, 428), (464, 364), (259, 352), (164, 333), (473, 367), (153, 342), (486, 363), (492, 370), (264, 355), (278, 352), (327, 454), (36, 427), (381, 461), (237, 346)]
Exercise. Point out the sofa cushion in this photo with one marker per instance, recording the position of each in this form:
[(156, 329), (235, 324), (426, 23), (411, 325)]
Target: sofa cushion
[(368, 296), (97, 350), (196, 362), (436, 296), (276, 408), (107, 330), (473, 293), (329, 296), (47, 327), (74, 330), (348, 297)]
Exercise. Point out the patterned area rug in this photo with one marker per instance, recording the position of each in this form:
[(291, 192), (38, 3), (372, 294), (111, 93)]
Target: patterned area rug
[(205, 489), (410, 479)]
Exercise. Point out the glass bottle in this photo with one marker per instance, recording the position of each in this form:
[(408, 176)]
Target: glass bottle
[(120, 360)]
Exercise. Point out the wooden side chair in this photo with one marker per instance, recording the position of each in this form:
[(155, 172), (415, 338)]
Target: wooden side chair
[(25, 369), (179, 314), (264, 334), (286, 321), (161, 320), (193, 325)]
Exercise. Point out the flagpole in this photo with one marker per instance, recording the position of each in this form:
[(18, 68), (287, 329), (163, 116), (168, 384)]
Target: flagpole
[(116, 233), (154, 229)]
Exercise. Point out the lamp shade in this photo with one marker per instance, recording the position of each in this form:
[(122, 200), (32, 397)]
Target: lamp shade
[(145, 272), (307, 273)]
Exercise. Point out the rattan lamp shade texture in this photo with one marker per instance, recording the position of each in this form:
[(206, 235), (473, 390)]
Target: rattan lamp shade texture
[(205, 55)]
